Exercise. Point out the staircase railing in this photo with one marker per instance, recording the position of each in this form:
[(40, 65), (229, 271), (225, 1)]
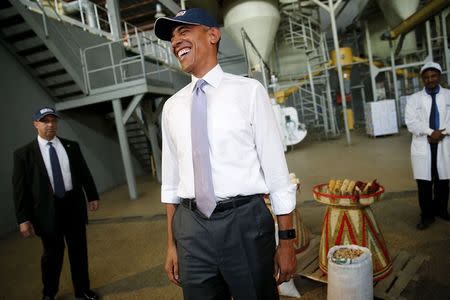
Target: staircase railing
[(302, 32), (108, 64), (95, 19), (251, 53)]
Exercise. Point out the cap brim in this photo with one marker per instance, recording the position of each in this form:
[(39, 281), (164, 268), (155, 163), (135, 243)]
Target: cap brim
[(49, 113), (164, 27), (430, 68)]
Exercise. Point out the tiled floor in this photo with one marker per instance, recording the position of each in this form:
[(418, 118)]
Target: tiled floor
[(127, 238)]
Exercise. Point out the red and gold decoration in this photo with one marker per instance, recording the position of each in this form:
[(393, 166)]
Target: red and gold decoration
[(349, 220)]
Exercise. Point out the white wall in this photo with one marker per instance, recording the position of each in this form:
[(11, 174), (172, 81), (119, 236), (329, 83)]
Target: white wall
[(20, 96)]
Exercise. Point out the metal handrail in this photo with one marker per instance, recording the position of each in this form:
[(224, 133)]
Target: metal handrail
[(88, 16), (44, 17), (138, 59), (102, 27), (245, 37)]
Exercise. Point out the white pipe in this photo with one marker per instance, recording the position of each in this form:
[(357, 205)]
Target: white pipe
[(444, 36), (371, 66), (394, 78), (339, 69)]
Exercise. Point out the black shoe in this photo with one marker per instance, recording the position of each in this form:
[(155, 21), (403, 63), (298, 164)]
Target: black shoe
[(422, 226), (87, 295), (48, 297), (444, 217), (425, 223)]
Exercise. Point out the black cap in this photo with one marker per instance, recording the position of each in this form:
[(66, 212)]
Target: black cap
[(193, 16), (44, 111)]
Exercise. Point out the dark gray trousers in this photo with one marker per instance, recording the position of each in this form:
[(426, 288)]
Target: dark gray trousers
[(230, 254)]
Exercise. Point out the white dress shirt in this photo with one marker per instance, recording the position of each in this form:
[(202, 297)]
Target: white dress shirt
[(62, 157), (246, 151)]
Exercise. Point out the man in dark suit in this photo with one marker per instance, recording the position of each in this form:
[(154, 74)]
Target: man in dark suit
[(50, 181)]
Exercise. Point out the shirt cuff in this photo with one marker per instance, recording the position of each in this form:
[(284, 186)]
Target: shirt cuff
[(169, 195), (429, 131), (283, 201)]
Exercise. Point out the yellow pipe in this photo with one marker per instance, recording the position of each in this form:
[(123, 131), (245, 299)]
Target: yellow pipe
[(282, 95), (420, 16)]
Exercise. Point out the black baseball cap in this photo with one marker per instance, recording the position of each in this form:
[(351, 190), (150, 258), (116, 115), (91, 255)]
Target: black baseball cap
[(164, 26)]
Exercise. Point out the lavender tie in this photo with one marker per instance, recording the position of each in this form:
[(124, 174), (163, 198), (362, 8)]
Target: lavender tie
[(204, 190)]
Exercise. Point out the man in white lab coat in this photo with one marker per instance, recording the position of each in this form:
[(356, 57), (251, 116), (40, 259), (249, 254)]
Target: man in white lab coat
[(428, 119)]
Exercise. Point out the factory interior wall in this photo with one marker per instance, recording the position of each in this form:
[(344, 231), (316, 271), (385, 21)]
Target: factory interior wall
[(21, 95)]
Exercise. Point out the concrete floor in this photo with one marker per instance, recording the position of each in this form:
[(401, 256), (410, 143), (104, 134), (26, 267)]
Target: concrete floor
[(127, 238)]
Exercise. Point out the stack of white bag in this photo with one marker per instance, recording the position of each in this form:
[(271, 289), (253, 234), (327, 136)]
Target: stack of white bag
[(350, 279), (288, 288)]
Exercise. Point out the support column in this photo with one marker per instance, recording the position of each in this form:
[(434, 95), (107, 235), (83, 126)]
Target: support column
[(151, 117), (394, 79), (330, 104), (444, 37), (313, 91), (429, 45), (125, 149), (156, 151), (339, 67), (371, 66), (114, 19), (332, 123)]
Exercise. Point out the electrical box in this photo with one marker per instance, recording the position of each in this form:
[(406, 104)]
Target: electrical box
[(381, 118)]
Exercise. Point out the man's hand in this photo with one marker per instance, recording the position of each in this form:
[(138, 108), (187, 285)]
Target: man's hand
[(93, 205), (171, 265), (436, 136), (26, 229), (285, 261)]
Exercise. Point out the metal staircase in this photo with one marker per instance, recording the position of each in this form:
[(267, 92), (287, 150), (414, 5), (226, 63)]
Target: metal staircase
[(300, 30), (33, 52), (75, 58)]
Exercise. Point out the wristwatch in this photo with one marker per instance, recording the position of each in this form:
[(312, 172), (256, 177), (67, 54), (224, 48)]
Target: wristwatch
[(286, 234)]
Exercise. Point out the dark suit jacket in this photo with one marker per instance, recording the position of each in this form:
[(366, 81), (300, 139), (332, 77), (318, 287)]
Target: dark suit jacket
[(33, 193)]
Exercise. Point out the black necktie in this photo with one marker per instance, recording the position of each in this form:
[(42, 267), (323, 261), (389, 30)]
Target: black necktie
[(58, 181)]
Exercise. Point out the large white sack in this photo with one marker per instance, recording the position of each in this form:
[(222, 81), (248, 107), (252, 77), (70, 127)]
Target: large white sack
[(350, 279), (288, 289)]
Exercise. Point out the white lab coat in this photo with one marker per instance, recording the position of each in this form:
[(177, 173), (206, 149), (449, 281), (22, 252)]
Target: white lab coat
[(417, 115)]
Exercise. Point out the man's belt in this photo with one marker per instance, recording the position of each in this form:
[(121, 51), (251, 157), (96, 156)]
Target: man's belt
[(222, 205)]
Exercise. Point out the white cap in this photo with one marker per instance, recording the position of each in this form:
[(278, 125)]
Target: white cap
[(431, 65)]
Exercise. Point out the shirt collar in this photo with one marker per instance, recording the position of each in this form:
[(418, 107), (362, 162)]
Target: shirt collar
[(44, 142), (432, 91), (213, 77)]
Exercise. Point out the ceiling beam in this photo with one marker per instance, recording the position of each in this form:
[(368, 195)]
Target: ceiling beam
[(137, 16), (145, 26), (134, 5), (171, 5)]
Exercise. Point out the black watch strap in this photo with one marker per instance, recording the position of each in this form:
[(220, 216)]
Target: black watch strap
[(287, 234)]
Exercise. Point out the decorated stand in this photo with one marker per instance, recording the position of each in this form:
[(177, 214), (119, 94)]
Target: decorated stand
[(349, 220)]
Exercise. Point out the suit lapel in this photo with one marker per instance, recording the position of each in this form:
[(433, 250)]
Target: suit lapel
[(39, 160), (69, 150), (67, 146)]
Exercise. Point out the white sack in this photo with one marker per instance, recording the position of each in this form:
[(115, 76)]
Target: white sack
[(350, 279)]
